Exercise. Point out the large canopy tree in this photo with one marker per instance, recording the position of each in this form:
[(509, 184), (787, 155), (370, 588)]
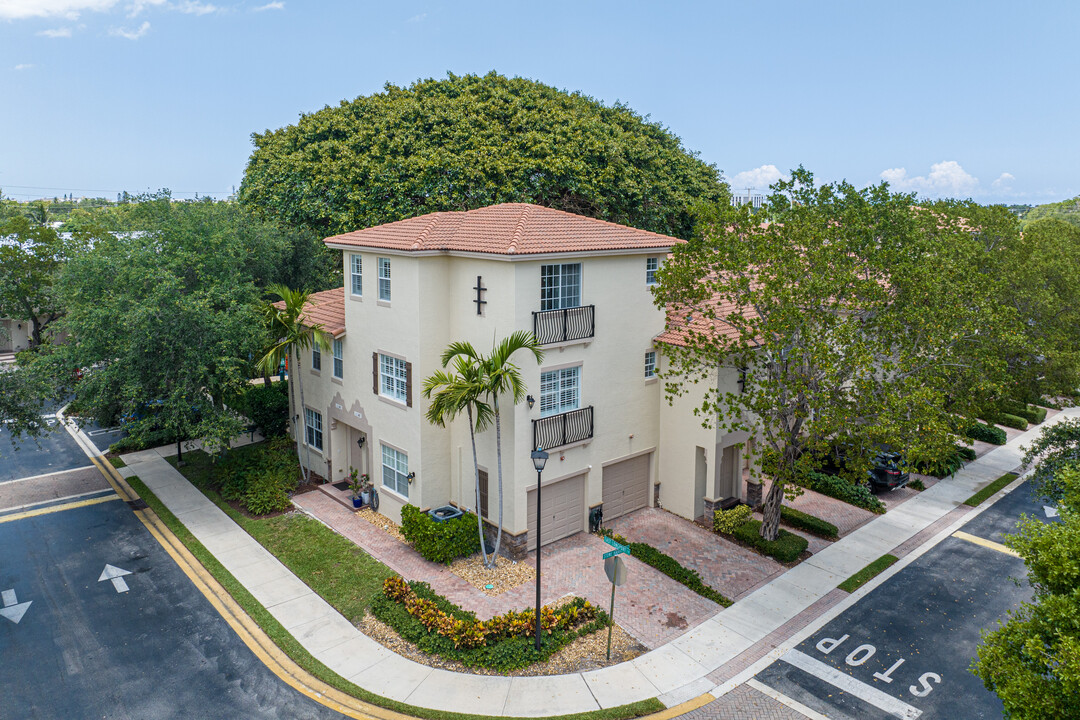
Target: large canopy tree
[(166, 320), (854, 317), (470, 141)]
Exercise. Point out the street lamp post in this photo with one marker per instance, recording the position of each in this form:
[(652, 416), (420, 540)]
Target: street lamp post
[(539, 458)]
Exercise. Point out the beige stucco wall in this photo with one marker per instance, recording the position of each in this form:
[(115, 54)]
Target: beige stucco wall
[(432, 305), (14, 335)]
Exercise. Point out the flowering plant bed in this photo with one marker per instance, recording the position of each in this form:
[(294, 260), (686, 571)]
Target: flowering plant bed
[(505, 642)]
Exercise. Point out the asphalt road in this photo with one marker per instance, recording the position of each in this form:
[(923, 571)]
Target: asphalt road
[(904, 649), (148, 645), (53, 451)]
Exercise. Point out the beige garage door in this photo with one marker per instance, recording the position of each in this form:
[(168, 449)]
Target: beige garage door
[(563, 507), (626, 486)]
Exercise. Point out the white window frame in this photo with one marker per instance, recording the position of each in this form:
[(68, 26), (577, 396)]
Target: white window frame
[(650, 364), (356, 268), (313, 429), (560, 391), (395, 470), (316, 357), (339, 359), (651, 266), (560, 286), (393, 378), (384, 279)]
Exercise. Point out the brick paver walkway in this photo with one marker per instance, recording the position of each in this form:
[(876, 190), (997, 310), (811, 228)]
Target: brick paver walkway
[(650, 606), (744, 703), (729, 568)]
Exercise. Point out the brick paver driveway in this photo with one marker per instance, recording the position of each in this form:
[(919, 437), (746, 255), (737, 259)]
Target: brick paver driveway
[(650, 606), (727, 567)]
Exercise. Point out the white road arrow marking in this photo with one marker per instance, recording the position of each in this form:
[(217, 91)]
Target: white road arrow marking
[(1050, 512), (117, 576), (13, 610)]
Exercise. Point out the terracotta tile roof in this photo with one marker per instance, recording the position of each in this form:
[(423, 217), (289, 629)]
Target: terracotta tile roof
[(506, 229), (682, 321), (326, 308)]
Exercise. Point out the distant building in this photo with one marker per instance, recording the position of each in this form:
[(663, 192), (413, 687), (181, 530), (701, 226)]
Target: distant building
[(748, 196)]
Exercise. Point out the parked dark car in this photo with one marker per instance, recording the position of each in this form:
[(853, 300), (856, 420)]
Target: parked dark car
[(886, 473)]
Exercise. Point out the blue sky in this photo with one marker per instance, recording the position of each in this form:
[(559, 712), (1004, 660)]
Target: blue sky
[(962, 99)]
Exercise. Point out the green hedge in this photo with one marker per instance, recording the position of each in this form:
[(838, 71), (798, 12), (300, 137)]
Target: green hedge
[(986, 433), (1010, 420), (441, 542), (967, 453), (809, 523), (787, 547), (837, 487), (504, 655), (947, 465)]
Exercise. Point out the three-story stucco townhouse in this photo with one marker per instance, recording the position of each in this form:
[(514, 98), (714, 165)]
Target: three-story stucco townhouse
[(582, 286)]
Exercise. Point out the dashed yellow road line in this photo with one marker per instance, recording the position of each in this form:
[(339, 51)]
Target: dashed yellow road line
[(985, 543), (57, 508)]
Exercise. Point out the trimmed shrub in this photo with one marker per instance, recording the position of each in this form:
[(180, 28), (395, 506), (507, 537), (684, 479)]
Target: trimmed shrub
[(809, 523), (1010, 420), (947, 465), (986, 433), (268, 408), (441, 542), (504, 643), (787, 547), (265, 494), (968, 454), (837, 487), (727, 521)]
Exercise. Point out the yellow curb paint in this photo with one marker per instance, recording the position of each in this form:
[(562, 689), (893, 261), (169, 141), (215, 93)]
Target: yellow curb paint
[(682, 708), (57, 508), (985, 543)]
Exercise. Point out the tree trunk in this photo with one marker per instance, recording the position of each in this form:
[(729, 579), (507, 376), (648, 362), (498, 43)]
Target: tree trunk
[(301, 424), (266, 379), (179, 450), (770, 525), (476, 469), (498, 462), (304, 418)]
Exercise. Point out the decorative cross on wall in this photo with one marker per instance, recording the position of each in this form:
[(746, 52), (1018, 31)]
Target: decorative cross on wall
[(480, 301)]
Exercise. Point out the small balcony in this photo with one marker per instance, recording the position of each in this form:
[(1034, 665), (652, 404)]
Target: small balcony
[(555, 326), (563, 429)]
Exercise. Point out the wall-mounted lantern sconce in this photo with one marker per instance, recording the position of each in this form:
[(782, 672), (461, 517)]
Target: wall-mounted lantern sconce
[(360, 441), (410, 477), (531, 400)]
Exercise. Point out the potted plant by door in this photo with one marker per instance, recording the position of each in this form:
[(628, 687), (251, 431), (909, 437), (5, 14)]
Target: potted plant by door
[(355, 485), (365, 489)]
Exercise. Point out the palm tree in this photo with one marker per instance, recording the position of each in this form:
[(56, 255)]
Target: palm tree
[(450, 393), (500, 376), (291, 334)]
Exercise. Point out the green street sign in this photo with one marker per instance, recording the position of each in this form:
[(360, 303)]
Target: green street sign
[(619, 548)]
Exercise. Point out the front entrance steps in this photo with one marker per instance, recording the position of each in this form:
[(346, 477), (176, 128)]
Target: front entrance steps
[(344, 497)]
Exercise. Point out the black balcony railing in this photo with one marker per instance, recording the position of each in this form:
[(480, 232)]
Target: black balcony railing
[(562, 429), (576, 323)]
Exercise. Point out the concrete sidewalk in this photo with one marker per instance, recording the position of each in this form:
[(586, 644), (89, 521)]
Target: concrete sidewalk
[(698, 662)]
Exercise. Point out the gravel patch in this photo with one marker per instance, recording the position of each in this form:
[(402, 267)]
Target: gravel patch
[(381, 521), (583, 654), (506, 575)]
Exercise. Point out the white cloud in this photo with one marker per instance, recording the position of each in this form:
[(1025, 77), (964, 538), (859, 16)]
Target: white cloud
[(70, 9), (131, 34), (191, 7), (946, 178), (1004, 183), (758, 178), (63, 32), (271, 6), (417, 18), (24, 66)]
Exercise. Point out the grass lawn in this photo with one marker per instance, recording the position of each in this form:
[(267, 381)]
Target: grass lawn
[(978, 498), (868, 573), (343, 574), (340, 572), (299, 654), (117, 462)]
